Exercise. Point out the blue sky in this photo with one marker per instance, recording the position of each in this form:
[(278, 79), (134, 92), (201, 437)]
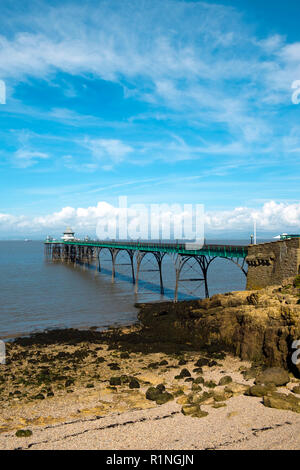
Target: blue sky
[(162, 101)]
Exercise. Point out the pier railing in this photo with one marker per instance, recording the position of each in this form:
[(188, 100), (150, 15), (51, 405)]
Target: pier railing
[(223, 251)]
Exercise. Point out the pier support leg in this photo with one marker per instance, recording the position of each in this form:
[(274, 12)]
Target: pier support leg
[(159, 258), (204, 263), (97, 260), (160, 278), (131, 256), (139, 258), (176, 286), (114, 253), (178, 264)]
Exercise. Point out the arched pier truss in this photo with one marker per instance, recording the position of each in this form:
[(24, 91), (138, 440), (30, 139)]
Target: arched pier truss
[(86, 253)]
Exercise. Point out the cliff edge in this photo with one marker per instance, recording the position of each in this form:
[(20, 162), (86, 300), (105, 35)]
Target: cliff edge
[(259, 325)]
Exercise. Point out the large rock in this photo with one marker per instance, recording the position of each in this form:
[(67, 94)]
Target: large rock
[(159, 395), (275, 375), (194, 411), (189, 410), (206, 398), (221, 395), (225, 380), (281, 401), (261, 390), (164, 397), (152, 393), (236, 388), (255, 325)]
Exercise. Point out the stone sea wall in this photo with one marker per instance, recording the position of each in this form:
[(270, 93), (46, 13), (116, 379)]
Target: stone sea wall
[(271, 263)]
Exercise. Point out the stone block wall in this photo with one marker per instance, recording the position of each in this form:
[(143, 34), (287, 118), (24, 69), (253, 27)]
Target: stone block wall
[(271, 263)]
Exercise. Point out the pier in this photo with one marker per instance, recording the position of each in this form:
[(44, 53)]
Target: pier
[(263, 264), (88, 252)]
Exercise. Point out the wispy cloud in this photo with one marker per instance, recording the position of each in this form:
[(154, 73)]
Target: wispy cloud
[(106, 152), (24, 158), (130, 88), (201, 59)]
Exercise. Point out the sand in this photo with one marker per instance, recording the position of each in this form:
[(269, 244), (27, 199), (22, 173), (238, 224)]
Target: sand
[(244, 424), (91, 414)]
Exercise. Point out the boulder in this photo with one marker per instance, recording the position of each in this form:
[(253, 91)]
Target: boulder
[(159, 396), (177, 392), (152, 393), (202, 362), (198, 370), (182, 362), (124, 355), (210, 384), (185, 373), (221, 395), (163, 363), (24, 433), (261, 390), (196, 387), (219, 405), (275, 375), (200, 414), (134, 383), (236, 388), (69, 382), (225, 380), (281, 401), (188, 410), (124, 379), (115, 381), (194, 411), (199, 380), (164, 397), (161, 387), (206, 398)]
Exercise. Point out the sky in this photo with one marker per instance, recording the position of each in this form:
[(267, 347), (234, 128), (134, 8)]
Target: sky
[(162, 101)]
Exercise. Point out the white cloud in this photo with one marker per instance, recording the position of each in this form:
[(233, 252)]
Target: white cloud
[(272, 217)]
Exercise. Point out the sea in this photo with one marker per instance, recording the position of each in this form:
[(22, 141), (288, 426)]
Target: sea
[(38, 295)]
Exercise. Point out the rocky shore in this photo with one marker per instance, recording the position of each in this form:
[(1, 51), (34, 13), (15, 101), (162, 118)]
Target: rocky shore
[(193, 359), (259, 325)]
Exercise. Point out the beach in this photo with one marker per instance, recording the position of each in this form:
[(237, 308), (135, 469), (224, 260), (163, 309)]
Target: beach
[(90, 390)]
